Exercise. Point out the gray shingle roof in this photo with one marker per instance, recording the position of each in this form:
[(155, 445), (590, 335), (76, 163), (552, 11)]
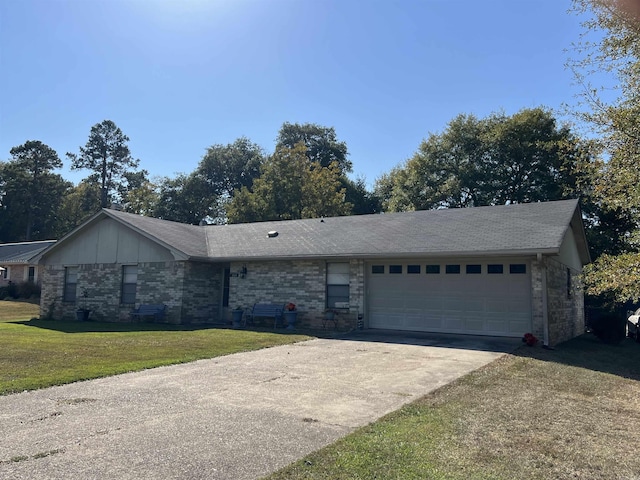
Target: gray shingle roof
[(508, 229), (520, 229), (189, 239), (22, 252)]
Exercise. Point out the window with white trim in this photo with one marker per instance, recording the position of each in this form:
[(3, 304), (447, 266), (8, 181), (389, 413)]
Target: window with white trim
[(129, 284), (70, 284), (337, 283)]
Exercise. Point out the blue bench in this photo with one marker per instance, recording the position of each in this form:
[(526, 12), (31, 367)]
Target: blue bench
[(269, 310), (156, 311)]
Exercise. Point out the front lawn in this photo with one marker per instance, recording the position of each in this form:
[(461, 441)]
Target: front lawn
[(41, 353), (14, 310), (569, 413)]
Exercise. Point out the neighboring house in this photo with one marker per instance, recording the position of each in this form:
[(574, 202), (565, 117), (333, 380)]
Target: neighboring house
[(503, 270), (17, 263)]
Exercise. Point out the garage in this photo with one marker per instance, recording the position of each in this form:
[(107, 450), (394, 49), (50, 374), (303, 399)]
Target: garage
[(476, 297)]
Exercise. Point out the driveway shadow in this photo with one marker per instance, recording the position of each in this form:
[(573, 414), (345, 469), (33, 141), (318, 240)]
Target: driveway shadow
[(465, 342), (588, 351)]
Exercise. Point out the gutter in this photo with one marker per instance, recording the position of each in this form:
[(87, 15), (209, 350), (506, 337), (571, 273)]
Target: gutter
[(381, 256)]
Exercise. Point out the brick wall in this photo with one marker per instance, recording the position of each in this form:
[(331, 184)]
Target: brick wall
[(202, 293), (302, 282), (191, 291), (51, 294)]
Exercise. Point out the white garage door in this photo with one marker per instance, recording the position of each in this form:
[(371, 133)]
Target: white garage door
[(451, 297)]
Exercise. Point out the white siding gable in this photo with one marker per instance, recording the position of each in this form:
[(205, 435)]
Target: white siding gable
[(569, 254), (108, 241)]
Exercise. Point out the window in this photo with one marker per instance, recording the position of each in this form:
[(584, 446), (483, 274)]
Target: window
[(474, 268), (70, 284), (433, 269), (377, 269), (517, 268), (4, 272), (413, 268), (395, 268), (452, 269), (337, 284), (495, 268), (32, 274), (129, 283)]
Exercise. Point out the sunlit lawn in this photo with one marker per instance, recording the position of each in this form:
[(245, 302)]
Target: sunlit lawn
[(41, 353)]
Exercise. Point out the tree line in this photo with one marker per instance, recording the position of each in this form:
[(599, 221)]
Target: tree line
[(500, 159)]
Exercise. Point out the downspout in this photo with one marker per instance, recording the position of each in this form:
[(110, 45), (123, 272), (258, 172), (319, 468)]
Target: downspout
[(545, 311)]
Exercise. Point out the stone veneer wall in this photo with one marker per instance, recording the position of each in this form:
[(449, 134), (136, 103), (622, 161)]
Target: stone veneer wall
[(565, 313), (537, 315), (302, 282), (191, 291), (566, 309)]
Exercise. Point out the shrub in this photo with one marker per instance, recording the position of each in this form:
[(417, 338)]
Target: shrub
[(12, 290), (608, 326), (24, 290), (27, 290)]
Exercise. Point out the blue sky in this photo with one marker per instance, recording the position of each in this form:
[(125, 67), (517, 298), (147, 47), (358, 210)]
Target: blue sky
[(178, 76)]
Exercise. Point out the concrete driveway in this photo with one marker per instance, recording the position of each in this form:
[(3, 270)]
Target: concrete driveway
[(242, 416)]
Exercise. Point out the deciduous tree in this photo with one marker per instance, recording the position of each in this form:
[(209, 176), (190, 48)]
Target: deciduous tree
[(611, 44), (291, 187), (501, 159), (321, 143), (225, 168), (185, 198)]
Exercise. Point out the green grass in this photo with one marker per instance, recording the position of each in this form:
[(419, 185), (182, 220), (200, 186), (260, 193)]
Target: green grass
[(570, 413), (40, 353)]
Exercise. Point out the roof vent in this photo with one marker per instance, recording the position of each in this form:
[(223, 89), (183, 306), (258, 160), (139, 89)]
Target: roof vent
[(272, 234)]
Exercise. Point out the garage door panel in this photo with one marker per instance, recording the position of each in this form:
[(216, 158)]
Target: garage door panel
[(432, 320), (491, 304), (474, 323), (453, 322), (453, 304), (414, 321), (519, 323), (414, 302), (495, 324), (521, 305), (432, 302), (494, 305), (386, 321), (472, 304)]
